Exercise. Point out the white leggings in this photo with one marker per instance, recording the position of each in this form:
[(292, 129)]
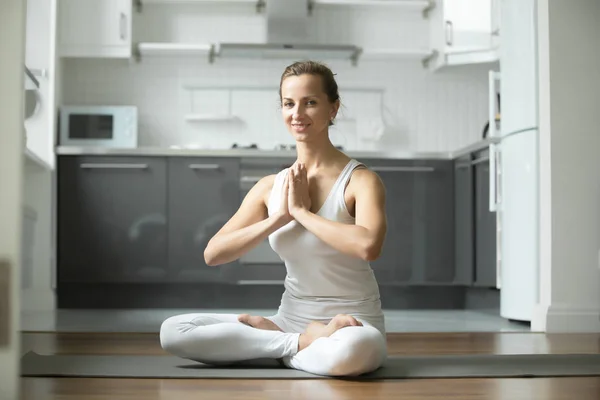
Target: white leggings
[(222, 339)]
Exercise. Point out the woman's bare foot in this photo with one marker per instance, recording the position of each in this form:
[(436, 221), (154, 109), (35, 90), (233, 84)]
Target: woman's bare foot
[(258, 322), (316, 330)]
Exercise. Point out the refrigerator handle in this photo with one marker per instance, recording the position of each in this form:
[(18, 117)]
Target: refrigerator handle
[(493, 175), (493, 76)]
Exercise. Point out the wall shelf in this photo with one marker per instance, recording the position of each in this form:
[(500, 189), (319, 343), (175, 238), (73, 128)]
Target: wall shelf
[(210, 50), (425, 6), (259, 4), (175, 49)]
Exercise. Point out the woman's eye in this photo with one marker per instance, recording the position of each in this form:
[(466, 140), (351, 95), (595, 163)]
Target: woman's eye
[(312, 102), (288, 104)]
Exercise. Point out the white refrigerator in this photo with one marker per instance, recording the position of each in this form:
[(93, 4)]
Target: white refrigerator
[(514, 162)]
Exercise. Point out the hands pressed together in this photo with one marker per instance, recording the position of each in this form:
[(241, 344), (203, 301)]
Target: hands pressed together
[(295, 197)]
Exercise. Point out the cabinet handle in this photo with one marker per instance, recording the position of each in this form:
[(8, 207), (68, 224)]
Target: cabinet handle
[(449, 28), (258, 282), (250, 179), (402, 169), (113, 166), (122, 25), (211, 167)]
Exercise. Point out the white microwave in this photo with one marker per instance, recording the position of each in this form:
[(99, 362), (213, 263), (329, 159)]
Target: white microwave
[(103, 126)]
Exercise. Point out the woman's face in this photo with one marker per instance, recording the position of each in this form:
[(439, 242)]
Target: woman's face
[(305, 107)]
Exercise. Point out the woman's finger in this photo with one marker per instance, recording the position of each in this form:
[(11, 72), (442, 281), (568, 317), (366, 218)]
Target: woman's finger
[(286, 181), (304, 174)]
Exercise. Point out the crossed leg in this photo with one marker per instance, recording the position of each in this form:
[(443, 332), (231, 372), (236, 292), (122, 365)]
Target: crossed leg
[(335, 349)]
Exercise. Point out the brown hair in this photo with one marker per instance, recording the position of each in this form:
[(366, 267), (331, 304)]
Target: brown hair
[(330, 86)]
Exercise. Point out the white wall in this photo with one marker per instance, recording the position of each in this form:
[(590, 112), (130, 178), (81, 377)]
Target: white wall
[(422, 110), (569, 166)]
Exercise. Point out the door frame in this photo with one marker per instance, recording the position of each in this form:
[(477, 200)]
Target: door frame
[(12, 47)]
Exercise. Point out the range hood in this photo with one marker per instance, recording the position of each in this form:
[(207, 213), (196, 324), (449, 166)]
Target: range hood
[(287, 36)]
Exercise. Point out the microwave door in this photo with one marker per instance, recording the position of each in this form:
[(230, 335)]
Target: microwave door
[(90, 127)]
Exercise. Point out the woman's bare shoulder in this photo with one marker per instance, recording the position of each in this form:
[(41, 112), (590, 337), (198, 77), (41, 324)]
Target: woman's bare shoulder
[(365, 179)]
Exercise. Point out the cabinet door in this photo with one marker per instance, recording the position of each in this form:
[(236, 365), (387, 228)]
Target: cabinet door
[(395, 263), (464, 224), (92, 28), (464, 32), (485, 226), (203, 195), (433, 262), (468, 24), (418, 247), (111, 219)]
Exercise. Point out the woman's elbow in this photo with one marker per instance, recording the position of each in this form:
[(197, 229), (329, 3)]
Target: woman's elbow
[(210, 258), (371, 251)]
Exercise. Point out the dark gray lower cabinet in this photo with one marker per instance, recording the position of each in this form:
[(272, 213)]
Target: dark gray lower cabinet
[(485, 225), (137, 219), (464, 232), (419, 247), (112, 226), (202, 196)]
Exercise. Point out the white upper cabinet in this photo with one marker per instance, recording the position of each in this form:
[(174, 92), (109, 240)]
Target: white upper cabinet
[(95, 28), (464, 32)]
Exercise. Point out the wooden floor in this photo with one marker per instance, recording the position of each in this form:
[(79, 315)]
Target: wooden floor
[(399, 343)]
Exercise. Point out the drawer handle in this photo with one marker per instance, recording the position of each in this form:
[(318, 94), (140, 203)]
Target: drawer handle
[(403, 169), (113, 166), (204, 167), (258, 282)]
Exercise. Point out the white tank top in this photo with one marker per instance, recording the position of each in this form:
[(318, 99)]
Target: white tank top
[(315, 270)]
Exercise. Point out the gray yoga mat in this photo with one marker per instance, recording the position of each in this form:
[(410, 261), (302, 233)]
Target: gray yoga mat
[(395, 367)]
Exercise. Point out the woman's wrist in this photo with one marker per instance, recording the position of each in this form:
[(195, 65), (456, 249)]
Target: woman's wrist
[(280, 219), (298, 212)]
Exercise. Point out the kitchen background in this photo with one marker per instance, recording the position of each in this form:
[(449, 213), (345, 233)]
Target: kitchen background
[(388, 104), (417, 99)]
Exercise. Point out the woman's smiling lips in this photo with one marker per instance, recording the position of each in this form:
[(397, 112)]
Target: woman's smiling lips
[(299, 126)]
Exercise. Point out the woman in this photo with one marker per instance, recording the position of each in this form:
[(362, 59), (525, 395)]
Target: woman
[(325, 217)]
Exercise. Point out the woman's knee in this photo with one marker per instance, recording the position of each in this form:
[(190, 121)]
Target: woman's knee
[(169, 334), (360, 350)]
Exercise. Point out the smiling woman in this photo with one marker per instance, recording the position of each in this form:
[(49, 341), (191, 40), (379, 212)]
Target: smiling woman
[(325, 217)]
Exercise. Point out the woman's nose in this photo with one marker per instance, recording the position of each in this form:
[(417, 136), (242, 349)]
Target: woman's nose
[(298, 111)]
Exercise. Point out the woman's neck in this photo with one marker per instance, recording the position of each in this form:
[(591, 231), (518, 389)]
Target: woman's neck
[(317, 154)]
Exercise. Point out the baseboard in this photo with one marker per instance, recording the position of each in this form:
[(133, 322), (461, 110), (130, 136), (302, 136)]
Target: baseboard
[(37, 299), (559, 318)]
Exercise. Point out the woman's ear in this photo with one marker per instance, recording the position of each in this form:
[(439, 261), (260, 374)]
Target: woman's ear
[(334, 110)]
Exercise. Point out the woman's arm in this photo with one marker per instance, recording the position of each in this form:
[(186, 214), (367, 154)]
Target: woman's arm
[(365, 238), (248, 227)]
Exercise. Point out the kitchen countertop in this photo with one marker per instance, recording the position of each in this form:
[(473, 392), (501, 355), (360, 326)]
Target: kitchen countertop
[(165, 151)]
